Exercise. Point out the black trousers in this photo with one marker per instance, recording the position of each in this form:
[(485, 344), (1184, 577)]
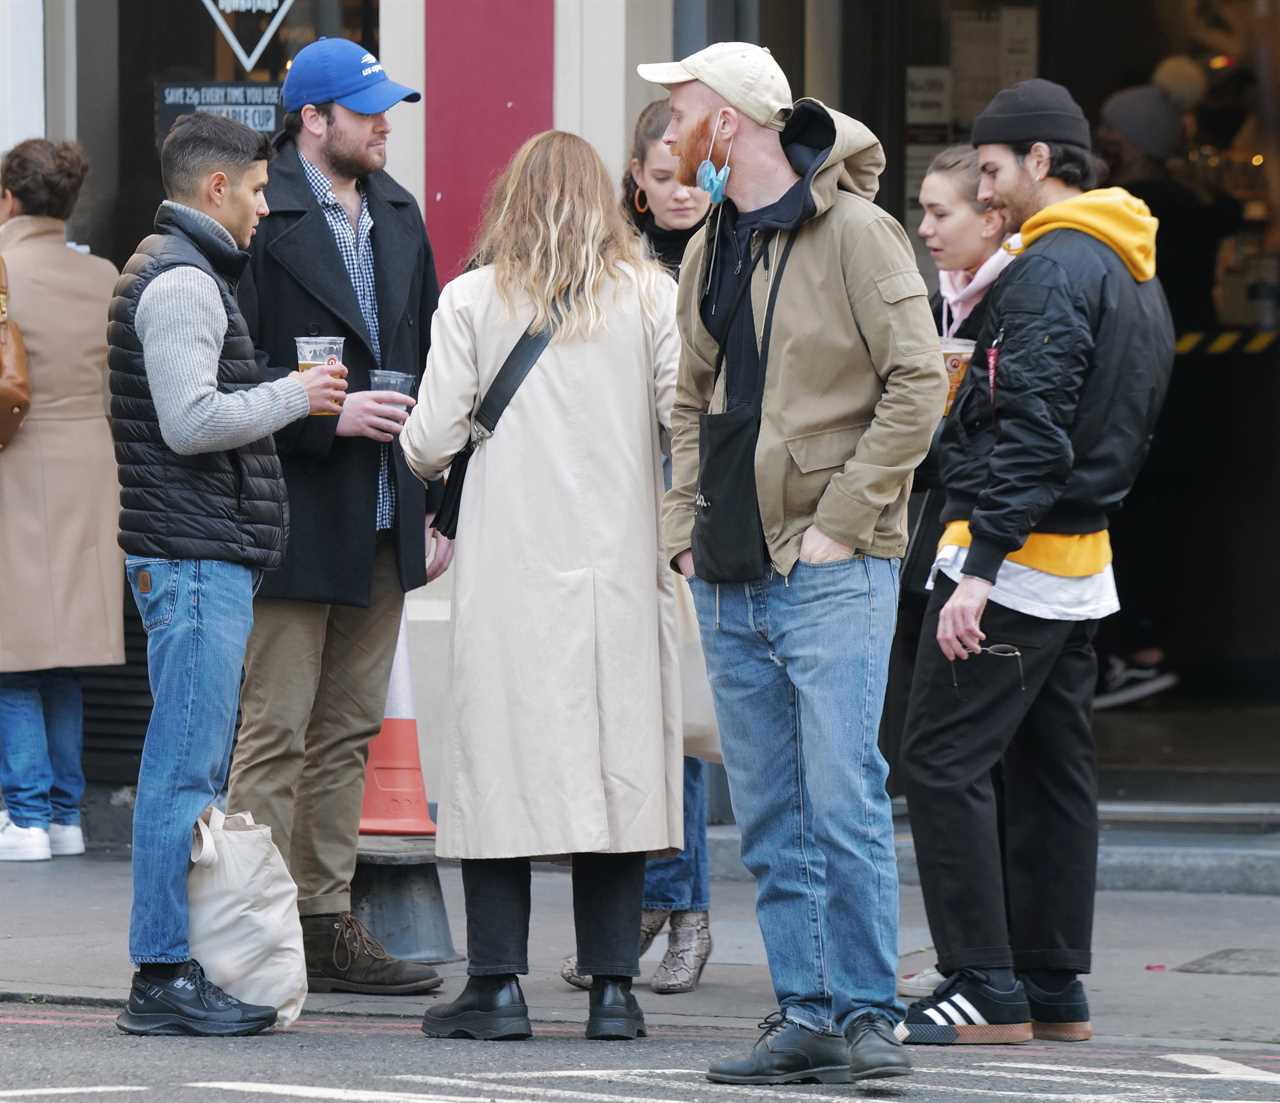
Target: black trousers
[(1033, 909), (607, 893)]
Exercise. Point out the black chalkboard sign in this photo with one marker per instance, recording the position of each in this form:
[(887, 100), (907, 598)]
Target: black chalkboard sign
[(255, 103)]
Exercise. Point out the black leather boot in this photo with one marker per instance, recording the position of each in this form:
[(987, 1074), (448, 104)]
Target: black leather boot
[(874, 1051), (615, 1015), (490, 1009), (787, 1053)]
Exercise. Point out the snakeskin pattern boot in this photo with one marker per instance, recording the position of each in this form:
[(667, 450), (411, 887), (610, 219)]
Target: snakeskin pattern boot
[(688, 948), (651, 922)]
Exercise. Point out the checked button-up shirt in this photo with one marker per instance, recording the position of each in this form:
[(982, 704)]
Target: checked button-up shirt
[(356, 246)]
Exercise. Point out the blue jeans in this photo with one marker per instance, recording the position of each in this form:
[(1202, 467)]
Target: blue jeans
[(41, 735), (197, 613), (797, 668), (682, 883)]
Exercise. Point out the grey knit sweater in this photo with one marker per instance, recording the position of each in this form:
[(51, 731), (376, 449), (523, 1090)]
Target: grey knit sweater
[(181, 323)]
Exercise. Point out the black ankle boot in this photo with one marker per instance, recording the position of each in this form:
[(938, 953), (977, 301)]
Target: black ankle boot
[(489, 1009), (615, 1015)]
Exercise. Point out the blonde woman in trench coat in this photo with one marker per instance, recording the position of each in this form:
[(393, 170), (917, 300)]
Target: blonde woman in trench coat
[(566, 693), (61, 570)]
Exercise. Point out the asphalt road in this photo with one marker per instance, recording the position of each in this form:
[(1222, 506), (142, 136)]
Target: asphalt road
[(75, 1053)]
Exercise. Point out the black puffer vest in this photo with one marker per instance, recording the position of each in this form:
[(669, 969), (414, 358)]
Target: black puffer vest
[(229, 505)]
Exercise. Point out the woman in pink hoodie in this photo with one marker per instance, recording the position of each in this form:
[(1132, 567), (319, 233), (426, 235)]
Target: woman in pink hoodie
[(965, 239)]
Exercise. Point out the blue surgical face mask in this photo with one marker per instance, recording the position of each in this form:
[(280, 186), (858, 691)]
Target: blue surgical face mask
[(710, 179)]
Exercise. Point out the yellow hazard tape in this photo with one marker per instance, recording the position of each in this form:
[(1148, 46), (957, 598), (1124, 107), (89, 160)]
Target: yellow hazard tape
[(1261, 342), (1225, 341), (1187, 342)]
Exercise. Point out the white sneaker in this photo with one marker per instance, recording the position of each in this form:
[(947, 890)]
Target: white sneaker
[(920, 985), (65, 839), (23, 844)]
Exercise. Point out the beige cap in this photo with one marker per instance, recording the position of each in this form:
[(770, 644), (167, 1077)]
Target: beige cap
[(744, 74)]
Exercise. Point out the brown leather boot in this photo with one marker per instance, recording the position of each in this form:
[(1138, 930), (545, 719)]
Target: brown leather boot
[(342, 956)]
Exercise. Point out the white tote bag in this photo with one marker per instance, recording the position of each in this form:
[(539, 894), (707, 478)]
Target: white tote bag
[(244, 926)]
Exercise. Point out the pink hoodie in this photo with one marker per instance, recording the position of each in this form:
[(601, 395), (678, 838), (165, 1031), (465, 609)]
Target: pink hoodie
[(960, 294)]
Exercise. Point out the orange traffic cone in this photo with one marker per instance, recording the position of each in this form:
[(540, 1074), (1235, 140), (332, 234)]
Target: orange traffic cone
[(395, 796)]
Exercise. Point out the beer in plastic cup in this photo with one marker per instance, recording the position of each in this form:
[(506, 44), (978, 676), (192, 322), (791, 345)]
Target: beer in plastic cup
[(956, 354), (399, 381), (314, 351)]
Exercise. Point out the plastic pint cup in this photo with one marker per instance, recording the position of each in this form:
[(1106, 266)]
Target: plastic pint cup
[(956, 354), (314, 351)]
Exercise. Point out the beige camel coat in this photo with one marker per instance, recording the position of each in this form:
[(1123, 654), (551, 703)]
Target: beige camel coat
[(61, 570), (566, 733)]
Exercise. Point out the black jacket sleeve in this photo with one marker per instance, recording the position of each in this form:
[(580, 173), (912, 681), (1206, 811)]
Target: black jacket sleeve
[(308, 436), (1043, 335)]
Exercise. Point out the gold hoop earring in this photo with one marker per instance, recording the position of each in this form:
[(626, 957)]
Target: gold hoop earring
[(635, 201)]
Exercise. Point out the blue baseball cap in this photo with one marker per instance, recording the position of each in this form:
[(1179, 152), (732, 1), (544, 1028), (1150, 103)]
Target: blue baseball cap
[(340, 71)]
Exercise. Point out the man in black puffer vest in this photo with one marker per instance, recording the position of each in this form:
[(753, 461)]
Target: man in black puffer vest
[(203, 513)]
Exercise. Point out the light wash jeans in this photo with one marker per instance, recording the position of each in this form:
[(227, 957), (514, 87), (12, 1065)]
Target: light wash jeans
[(797, 668), (41, 736), (682, 883), (197, 613)]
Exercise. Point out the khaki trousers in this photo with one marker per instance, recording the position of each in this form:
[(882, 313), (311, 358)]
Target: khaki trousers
[(315, 688)]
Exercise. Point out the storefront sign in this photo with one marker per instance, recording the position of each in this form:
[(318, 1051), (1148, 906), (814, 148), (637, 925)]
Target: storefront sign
[(216, 8), (255, 103)]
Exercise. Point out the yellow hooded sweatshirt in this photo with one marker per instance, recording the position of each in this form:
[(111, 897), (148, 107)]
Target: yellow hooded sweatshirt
[(1125, 225)]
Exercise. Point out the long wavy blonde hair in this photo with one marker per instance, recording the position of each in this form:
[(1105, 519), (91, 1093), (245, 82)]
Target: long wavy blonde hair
[(552, 229)]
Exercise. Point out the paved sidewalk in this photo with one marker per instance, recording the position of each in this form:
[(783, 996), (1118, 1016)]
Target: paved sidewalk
[(63, 927)]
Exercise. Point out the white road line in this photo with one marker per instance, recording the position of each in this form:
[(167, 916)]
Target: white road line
[(648, 1079), (33, 1093), (1223, 1068), (1233, 1072), (491, 1084), (345, 1095)]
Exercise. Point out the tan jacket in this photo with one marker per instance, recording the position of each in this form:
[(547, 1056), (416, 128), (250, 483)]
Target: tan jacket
[(61, 570), (564, 729), (854, 385)]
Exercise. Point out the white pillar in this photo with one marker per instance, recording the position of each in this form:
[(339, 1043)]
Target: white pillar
[(60, 69), (402, 34), (21, 71), (598, 45)]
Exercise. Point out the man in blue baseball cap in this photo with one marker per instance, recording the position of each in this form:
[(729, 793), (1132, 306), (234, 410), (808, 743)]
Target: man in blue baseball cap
[(343, 253)]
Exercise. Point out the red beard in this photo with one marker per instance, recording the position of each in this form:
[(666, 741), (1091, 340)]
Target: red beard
[(693, 151)]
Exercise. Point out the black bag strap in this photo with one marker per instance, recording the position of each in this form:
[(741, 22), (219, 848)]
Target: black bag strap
[(515, 368), (774, 287)]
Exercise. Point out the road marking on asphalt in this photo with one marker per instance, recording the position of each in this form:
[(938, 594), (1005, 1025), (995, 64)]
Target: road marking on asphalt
[(1221, 1067), (663, 1078), (1216, 1068), (345, 1095)]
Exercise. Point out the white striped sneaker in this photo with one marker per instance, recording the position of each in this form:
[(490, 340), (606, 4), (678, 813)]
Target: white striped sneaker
[(968, 1011)]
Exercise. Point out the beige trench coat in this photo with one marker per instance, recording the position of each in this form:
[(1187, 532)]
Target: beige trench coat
[(61, 570), (566, 731)]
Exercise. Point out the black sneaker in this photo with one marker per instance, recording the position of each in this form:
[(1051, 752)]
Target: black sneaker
[(1059, 1016), (968, 1011), (189, 1003), (787, 1053)]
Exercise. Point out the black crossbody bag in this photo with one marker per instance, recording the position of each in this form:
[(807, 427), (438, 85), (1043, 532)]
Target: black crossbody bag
[(727, 543), (518, 364)]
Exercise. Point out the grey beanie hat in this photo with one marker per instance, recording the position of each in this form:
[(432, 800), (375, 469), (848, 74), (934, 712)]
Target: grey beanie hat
[(1032, 111), (1146, 117)]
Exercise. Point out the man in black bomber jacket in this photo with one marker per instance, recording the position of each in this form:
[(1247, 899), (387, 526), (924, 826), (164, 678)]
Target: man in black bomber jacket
[(1046, 436)]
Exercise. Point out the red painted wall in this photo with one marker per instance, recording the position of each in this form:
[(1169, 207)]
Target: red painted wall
[(489, 73)]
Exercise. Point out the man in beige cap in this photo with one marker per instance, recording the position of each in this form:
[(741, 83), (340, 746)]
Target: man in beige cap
[(810, 385)]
